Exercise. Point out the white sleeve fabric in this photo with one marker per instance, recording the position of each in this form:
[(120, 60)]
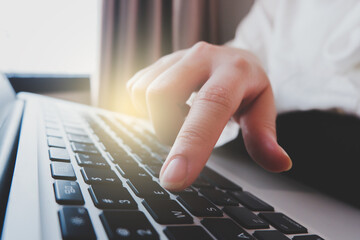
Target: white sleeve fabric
[(310, 51), (251, 35), (255, 31)]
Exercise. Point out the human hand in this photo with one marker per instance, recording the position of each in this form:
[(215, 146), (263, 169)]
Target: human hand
[(230, 83)]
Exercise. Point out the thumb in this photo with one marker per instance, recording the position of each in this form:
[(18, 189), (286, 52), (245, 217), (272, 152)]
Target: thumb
[(259, 133)]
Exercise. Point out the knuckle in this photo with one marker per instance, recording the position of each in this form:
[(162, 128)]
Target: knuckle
[(217, 96), (164, 59), (241, 63), (169, 57), (201, 48)]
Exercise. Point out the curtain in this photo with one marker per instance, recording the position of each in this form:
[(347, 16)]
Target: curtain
[(135, 33)]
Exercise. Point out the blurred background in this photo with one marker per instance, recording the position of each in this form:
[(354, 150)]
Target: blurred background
[(86, 50)]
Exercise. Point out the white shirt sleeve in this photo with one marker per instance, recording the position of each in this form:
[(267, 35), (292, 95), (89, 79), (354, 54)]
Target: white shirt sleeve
[(310, 51), (251, 35), (255, 31)]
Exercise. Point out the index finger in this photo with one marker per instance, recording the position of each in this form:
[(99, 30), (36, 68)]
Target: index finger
[(215, 103)]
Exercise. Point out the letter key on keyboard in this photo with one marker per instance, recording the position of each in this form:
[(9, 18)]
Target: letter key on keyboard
[(187, 232), (167, 212), (283, 223), (270, 235), (250, 201), (186, 191), (199, 206), (148, 189), (307, 237), (245, 217), (133, 171), (218, 180), (225, 229), (218, 197)]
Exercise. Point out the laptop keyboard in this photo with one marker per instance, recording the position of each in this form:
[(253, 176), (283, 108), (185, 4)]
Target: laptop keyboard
[(120, 163)]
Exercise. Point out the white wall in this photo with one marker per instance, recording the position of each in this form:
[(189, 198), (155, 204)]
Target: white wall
[(53, 36)]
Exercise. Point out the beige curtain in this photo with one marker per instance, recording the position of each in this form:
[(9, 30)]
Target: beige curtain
[(135, 33)]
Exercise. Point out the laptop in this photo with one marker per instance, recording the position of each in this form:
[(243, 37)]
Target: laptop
[(86, 173)]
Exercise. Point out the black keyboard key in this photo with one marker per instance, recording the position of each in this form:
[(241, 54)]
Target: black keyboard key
[(218, 197), (146, 157), (75, 223), (59, 154), (133, 171), (154, 169), (114, 149), (111, 146), (122, 158), (61, 170), (167, 212), (200, 182), (112, 197), (283, 223), (85, 160), (218, 180), (151, 143), (84, 148), (187, 232), (99, 176), (307, 237), (245, 217), (225, 229), (186, 191), (79, 139), (270, 235), (147, 189), (143, 154), (151, 160), (200, 206), (127, 225), (68, 192), (250, 201), (56, 142), (137, 148)]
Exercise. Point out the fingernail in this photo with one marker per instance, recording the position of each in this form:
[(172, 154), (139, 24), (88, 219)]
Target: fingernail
[(289, 159), (175, 174)]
